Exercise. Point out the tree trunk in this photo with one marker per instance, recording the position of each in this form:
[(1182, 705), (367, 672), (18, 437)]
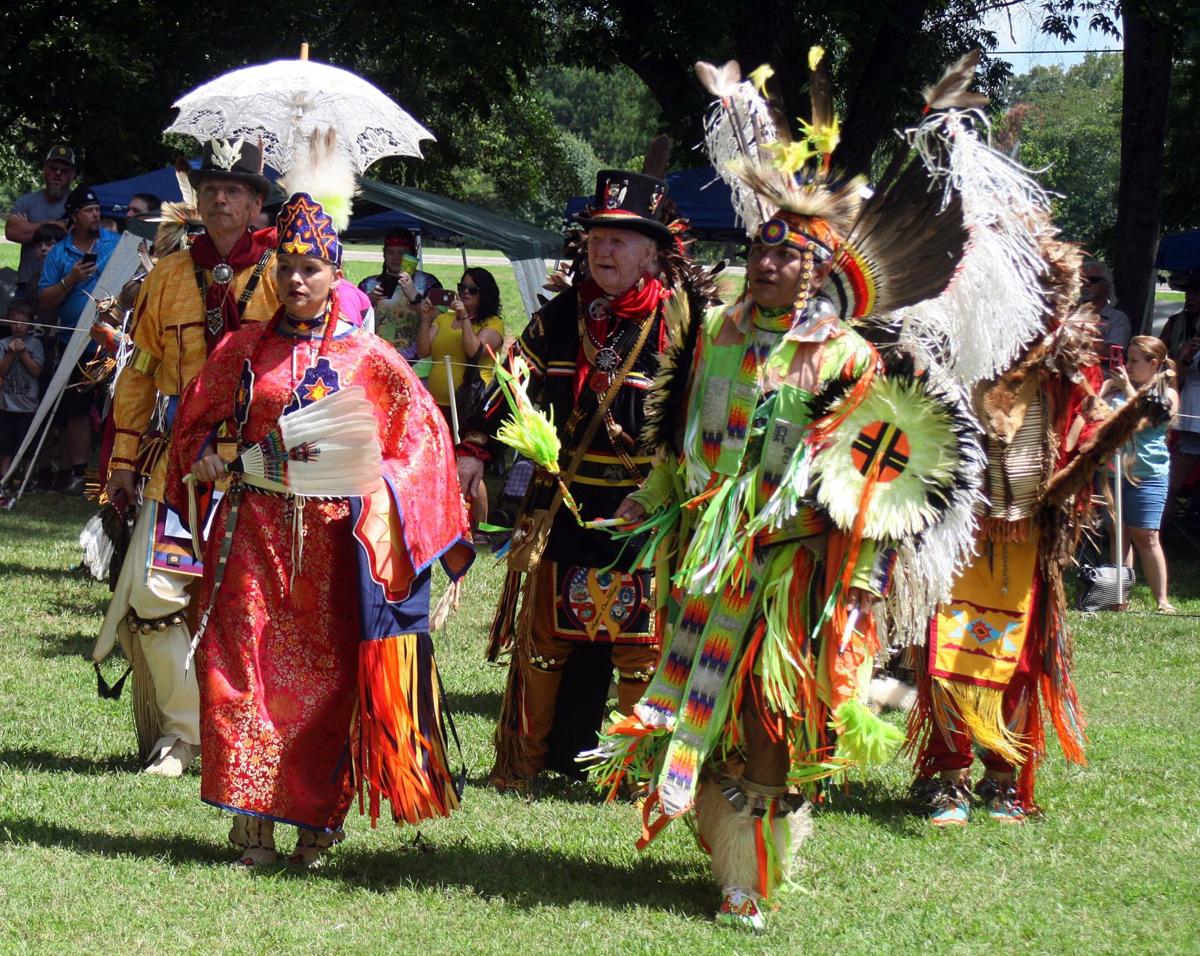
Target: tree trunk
[(870, 76), (1146, 91)]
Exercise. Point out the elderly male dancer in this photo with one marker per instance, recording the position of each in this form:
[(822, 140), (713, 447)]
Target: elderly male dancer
[(592, 352), (189, 301)]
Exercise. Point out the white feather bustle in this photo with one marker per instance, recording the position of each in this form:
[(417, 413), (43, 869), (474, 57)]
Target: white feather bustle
[(326, 174), (729, 834), (994, 305)]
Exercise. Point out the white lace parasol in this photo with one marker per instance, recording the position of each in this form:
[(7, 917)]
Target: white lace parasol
[(285, 101)]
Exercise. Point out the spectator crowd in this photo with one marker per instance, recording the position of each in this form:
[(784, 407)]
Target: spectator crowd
[(66, 243)]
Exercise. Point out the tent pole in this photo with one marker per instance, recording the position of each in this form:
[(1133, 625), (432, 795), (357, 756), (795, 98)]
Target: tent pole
[(453, 403), (1119, 522), (31, 462)]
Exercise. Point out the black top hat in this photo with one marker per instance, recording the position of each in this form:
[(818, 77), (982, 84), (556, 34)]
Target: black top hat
[(626, 200), (236, 159)]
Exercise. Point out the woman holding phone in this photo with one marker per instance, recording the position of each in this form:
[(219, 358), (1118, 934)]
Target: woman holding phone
[(1147, 463), (464, 329)]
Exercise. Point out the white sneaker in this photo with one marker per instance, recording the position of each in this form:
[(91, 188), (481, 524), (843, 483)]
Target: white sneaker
[(173, 761)]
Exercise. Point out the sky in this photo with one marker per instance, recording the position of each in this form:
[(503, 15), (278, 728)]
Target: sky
[(1017, 29)]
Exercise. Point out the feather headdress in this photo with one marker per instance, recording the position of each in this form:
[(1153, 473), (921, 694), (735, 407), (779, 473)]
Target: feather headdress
[(738, 125), (891, 247), (177, 220)]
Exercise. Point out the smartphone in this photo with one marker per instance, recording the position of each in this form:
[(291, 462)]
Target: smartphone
[(408, 264), (89, 258), (441, 297), (1116, 356)]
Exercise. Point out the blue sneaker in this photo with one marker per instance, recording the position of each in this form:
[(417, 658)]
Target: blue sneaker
[(1001, 800), (947, 803)]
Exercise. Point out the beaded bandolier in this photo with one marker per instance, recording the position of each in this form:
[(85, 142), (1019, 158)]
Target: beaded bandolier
[(792, 459)]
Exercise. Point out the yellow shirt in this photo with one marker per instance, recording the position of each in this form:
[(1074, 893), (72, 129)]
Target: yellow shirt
[(449, 341), (168, 330)]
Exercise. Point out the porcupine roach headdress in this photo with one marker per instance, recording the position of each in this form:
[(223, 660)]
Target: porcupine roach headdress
[(892, 247)]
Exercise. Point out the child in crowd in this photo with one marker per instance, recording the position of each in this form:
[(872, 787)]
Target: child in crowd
[(21, 360), (1147, 463)]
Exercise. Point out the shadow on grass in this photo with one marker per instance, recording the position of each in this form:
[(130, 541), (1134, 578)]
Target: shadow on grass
[(880, 804), (530, 877), (69, 645), (524, 877), (21, 830), (484, 703), (17, 570), (549, 786), (33, 758)]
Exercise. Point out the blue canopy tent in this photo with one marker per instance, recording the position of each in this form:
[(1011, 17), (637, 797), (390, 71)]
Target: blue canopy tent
[(1180, 252), (381, 207), (703, 199)]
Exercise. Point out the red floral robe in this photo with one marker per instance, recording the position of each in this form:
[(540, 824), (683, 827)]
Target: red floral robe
[(278, 664)]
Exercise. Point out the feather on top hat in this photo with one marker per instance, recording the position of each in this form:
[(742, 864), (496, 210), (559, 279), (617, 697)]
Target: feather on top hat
[(321, 185), (236, 159), (628, 200)]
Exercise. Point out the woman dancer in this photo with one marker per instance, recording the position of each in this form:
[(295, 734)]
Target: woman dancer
[(315, 664)]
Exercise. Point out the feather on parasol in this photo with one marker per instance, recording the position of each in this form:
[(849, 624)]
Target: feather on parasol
[(326, 174)]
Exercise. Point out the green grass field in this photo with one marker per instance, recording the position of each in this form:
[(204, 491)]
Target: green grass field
[(95, 858)]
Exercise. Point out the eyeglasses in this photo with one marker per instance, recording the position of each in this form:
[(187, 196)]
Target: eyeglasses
[(231, 190), (1091, 279), (464, 289)]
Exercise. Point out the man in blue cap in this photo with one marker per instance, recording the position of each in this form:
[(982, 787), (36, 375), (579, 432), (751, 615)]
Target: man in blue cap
[(69, 275)]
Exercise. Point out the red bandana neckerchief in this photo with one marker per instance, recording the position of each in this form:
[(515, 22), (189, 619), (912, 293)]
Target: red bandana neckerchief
[(244, 255), (640, 301)]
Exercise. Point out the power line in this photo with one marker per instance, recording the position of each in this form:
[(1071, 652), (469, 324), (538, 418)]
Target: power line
[(1051, 52)]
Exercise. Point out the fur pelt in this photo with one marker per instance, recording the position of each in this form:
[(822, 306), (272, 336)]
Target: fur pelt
[(1114, 432), (729, 834), (1001, 404)]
